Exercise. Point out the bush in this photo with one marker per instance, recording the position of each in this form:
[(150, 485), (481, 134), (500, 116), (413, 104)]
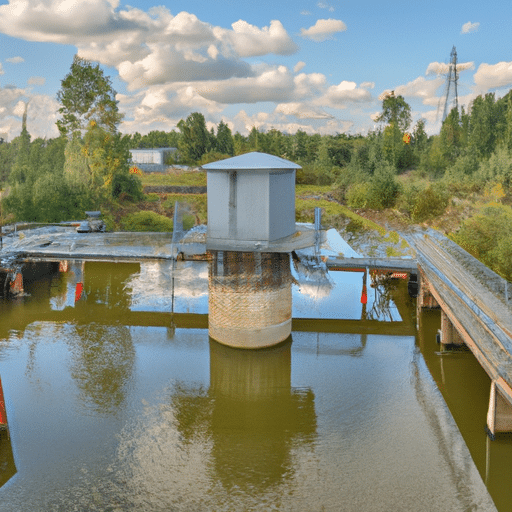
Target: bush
[(357, 195), (146, 221), (127, 185), (384, 189), (429, 203), (488, 237)]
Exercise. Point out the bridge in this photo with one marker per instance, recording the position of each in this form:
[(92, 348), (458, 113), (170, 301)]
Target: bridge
[(474, 301), (475, 310)]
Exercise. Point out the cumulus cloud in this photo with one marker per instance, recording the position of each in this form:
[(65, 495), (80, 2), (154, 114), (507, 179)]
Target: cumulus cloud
[(338, 96), (323, 29), (250, 41), (469, 27), (15, 60), (491, 76), (1, 69), (440, 68), (421, 88), (147, 48), (274, 84), (367, 85)]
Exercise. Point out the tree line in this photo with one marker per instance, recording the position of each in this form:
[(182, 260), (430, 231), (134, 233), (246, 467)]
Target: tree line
[(88, 165)]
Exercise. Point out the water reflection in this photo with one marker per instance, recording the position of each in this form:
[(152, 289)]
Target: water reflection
[(239, 436), (102, 364), (7, 465), (257, 418)]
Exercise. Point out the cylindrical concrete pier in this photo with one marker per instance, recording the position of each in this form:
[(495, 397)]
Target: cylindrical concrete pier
[(250, 299)]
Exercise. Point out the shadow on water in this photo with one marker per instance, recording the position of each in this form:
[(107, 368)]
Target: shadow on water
[(465, 387)]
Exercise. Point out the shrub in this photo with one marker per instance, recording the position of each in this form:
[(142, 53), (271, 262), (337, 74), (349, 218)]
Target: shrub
[(429, 203), (384, 189), (146, 221), (128, 185), (357, 195)]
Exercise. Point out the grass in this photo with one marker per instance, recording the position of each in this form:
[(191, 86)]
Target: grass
[(175, 178)]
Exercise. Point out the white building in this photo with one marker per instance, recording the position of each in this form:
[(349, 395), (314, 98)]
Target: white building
[(151, 160)]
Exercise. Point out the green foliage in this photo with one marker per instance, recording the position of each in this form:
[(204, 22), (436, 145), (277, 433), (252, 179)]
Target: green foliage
[(488, 237), (146, 221), (195, 139), (151, 197), (429, 203), (127, 186), (87, 95), (357, 195), (498, 168), (384, 189), (224, 140), (395, 112), (212, 156), (196, 202)]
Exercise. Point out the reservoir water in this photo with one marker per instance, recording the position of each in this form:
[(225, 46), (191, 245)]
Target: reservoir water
[(118, 400)]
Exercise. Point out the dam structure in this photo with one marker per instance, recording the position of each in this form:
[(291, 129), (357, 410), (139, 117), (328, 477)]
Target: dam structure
[(251, 233)]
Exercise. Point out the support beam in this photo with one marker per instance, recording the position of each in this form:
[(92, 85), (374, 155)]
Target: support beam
[(425, 297), (449, 334), (499, 414)]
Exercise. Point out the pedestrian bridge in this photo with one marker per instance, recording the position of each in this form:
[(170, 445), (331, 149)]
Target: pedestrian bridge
[(475, 310)]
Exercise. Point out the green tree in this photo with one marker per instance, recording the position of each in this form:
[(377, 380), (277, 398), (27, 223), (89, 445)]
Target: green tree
[(395, 111), (86, 95), (482, 125), (194, 142), (224, 140)]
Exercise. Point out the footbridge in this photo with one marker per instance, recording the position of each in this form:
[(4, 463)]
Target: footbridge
[(475, 310)]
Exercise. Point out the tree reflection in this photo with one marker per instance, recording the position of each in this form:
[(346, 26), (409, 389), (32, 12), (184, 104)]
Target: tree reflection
[(103, 362)]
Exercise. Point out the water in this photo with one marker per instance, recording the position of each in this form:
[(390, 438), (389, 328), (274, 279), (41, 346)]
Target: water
[(113, 406)]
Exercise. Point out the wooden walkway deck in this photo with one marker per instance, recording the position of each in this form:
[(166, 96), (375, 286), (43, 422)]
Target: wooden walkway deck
[(481, 316)]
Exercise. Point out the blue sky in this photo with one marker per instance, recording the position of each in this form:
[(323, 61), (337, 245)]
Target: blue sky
[(316, 66)]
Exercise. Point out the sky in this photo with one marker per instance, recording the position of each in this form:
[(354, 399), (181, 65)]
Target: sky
[(319, 66)]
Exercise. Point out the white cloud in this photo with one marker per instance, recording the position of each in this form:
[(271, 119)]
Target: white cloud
[(250, 41), (302, 111), (273, 84), (147, 48), (15, 60), (36, 80), (491, 76), (338, 96), (299, 66), (1, 69), (441, 68), (367, 85), (323, 29), (469, 27), (421, 88)]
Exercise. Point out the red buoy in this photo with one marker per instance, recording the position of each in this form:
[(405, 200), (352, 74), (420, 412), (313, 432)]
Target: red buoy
[(79, 291)]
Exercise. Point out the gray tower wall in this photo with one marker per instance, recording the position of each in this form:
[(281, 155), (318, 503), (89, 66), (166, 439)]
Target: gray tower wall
[(281, 202)]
